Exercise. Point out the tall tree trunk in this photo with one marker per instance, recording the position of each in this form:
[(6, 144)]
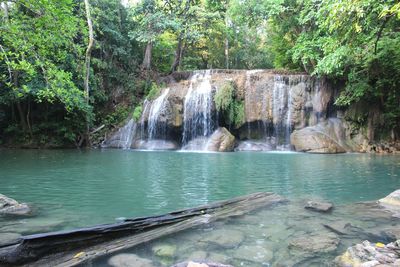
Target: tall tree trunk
[(146, 65), (178, 55), (87, 66), (21, 114), (226, 53), (226, 44)]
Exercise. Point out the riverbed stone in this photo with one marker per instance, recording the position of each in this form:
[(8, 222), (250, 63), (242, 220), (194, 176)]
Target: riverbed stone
[(218, 257), (225, 238), (319, 206), (9, 238), (316, 243), (338, 227), (164, 250), (370, 254), (9, 206), (253, 253), (221, 141), (198, 255), (129, 260)]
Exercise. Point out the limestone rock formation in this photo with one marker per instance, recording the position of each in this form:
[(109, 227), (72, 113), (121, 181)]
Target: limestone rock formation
[(221, 140), (369, 254), (12, 207), (330, 136)]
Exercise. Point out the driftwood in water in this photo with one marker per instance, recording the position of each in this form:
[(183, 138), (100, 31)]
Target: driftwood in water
[(69, 248)]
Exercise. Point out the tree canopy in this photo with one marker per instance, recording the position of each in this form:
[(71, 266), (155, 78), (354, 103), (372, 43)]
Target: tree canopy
[(43, 43)]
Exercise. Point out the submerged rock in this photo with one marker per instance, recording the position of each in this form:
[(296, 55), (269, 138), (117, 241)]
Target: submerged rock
[(225, 238), (164, 250), (318, 243), (369, 254), (10, 206), (200, 264), (129, 260), (253, 253), (221, 140), (319, 206)]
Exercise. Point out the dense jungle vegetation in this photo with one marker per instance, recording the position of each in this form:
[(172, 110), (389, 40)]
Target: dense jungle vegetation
[(71, 70)]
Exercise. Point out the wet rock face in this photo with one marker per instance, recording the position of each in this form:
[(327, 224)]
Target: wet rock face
[(10, 206), (221, 140), (370, 254), (287, 100)]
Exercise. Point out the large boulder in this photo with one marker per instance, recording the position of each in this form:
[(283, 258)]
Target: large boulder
[(391, 203), (326, 137), (393, 199), (221, 140), (10, 206), (312, 141)]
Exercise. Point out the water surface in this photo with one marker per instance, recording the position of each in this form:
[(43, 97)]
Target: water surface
[(81, 188)]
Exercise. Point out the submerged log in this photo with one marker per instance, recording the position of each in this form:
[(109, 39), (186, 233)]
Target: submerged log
[(73, 247)]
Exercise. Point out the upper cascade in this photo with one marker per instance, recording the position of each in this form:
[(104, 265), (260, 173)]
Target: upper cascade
[(272, 105)]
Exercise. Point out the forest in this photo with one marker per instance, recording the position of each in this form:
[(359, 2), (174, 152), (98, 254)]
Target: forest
[(72, 70)]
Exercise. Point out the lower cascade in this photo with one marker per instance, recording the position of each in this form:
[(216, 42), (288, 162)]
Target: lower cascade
[(262, 110)]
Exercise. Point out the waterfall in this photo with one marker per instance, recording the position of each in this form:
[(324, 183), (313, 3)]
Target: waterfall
[(128, 132), (157, 107), (123, 138), (289, 114), (146, 106), (197, 114)]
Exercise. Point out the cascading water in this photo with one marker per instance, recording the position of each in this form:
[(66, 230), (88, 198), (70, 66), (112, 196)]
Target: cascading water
[(155, 136), (128, 132), (275, 105), (157, 107), (146, 106), (197, 115), (123, 138)]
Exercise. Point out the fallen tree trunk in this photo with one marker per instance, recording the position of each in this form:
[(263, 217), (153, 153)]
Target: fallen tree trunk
[(70, 248)]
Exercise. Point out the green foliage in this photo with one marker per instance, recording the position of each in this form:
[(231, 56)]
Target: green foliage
[(115, 118), (153, 91), (227, 103), (137, 113)]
